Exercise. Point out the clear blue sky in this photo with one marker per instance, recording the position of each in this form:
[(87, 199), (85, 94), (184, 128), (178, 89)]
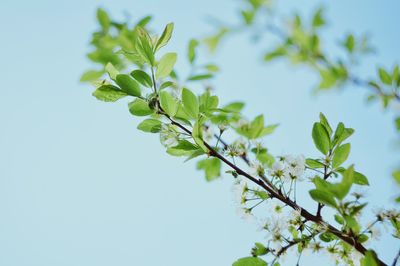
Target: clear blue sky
[(79, 185)]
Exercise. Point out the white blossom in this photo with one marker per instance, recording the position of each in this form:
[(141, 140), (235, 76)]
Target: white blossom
[(256, 168), (239, 190), (277, 169), (208, 133), (169, 137), (375, 233), (296, 166), (245, 213)]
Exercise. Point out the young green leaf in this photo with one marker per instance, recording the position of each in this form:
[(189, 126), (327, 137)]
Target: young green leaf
[(340, 190), (190, 103), (211, 167), (369, 259), (268, 130), (128, 85), (108, 93), (165, 36), (200, 77), (312, 163), (321, 138), (250, 261), (166, 64), (91, 75), (168, 103), (143, 46), (103, 19), (142, 77), (257, 127), (323, 197), (112, 71), (384, 76), (360, 179), (341, 154), (166, 85), (139, 107), (318, 19), (192, 50), (325, 123), (198, 135), (186, 146), (150, 125)]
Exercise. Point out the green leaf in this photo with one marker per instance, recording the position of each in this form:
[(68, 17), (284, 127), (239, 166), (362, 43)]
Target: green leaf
[(339, 219), (234, 107), (150, 125), (327, 237), (323, 197), (278, 52), (168, 103), (341, 134), (212, 67), (385, 76), (340, 190), (166, 64), (128, 85), (325, 123), (212, 42), (211, 167), (253, 130), (103, 19), (396, 176), (257, 127), (186, 146), (314, 164), (166, 85), (198, 136), (91, 75), (318, 19), (112, 71), (143, 46), (362, 238), (259, 249), (165, 36), (328, 78), (192, 50), (397, 123), (369, 259), (139, 107), (268, 130), (248, 16), (190, 103), (341, 154), (360, 179), (200, 77), (144, 21), (350, 43), (250, 261), (208, 103), (108, 93), (321, 138), (142, 77)]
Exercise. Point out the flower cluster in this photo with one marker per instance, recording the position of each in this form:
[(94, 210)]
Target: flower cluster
[(288, 168)]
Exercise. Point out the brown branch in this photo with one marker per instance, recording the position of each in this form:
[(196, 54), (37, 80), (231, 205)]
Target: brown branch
[(275, 194)]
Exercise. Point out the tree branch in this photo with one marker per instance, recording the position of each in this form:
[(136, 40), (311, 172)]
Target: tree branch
[(275, 194)]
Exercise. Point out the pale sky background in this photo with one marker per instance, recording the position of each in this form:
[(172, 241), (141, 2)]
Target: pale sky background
[(80, 186)]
